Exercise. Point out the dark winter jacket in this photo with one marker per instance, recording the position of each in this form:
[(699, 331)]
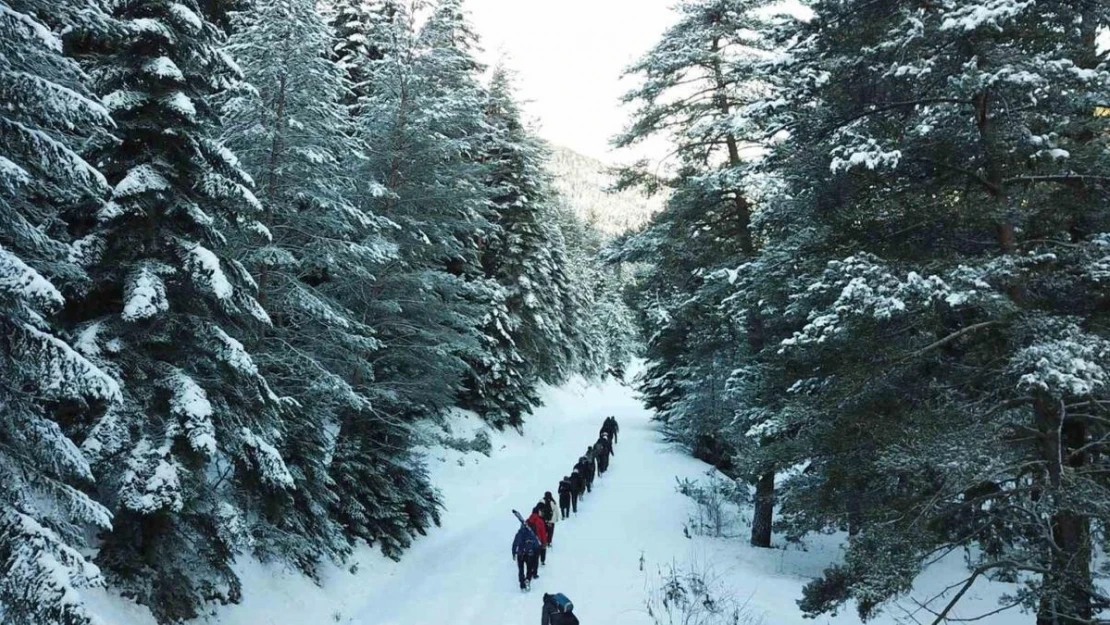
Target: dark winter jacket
[(525, 542), (538, 526), (552, 616), (584, 467), (565, 488), (603, 448), (546, 512), (610, 426), (576, 483)]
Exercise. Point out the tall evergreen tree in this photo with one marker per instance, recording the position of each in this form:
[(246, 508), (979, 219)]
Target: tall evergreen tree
[(190, 458), (695, 85), (423, 114), (526, 330), (295, 138), (46, 387), (363, 38), (953, 330)]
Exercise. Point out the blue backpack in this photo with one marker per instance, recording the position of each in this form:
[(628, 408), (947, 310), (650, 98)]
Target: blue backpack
[(563, 603)]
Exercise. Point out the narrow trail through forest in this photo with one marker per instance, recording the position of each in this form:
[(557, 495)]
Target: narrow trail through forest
[(464, 571), (606, 558)]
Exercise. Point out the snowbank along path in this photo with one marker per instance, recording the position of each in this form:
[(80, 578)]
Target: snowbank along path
[(604, 558)]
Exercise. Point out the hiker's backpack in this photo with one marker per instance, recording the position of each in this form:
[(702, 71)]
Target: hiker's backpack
[(563, 604)]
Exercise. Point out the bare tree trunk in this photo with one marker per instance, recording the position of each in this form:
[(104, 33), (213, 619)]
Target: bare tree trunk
[(1066, 589), (277, 147), (740, 203), (764, 509)]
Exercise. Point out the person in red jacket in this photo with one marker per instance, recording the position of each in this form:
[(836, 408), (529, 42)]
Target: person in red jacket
[(538, 526)]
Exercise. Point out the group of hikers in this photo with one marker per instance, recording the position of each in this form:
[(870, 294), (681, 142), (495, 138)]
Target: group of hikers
[(537, 532)]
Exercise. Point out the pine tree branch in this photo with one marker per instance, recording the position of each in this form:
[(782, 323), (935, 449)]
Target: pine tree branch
[(890, 106), (1060, 178), (992, 188), (952, 337), (985, 615)]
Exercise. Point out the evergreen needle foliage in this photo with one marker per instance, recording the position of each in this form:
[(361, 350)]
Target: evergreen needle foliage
[(909, 335), (247, 249)]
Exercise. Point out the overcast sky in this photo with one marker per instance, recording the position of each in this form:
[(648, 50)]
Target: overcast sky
[(568, 55)]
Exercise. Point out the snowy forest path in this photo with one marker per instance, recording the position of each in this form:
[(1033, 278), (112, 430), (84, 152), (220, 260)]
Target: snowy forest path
[(463, 572)]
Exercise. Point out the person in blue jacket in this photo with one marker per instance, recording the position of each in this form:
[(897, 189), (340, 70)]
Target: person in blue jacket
[(526, 552)]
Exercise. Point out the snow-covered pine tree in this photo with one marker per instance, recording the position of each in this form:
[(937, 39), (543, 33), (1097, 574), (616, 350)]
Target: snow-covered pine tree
[(363, 37), (692, 345), (947, 384), (601, 329), (48, 389), (423, 115), (220, 12), (191, 458), (528, 335), (294, 136), (695, 85)]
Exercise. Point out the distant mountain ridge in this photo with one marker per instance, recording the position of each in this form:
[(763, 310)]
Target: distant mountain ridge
[(582, 182)]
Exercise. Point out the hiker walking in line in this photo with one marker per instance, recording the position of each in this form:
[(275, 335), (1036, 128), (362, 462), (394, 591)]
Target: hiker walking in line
[(603, 449), (583, 466), (525, 552), (591, 466), (539, 526), (557, 610), (576, 486), (565, 488), (610, 427), (550, 514)]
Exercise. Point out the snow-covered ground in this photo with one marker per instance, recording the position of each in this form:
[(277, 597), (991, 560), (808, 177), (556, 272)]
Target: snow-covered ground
[(605, 558)]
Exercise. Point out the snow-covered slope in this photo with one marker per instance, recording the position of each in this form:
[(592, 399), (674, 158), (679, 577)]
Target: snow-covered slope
[(582, 182), (463, 573)]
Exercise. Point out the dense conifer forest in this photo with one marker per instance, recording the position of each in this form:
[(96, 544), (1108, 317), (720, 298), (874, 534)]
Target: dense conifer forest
[(252, 250), (878, 292), (245, 247)]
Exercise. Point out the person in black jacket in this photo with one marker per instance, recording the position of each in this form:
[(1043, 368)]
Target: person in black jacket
[(610, 427), (565, 488), (577, 484), (583, 466), (603, 450)]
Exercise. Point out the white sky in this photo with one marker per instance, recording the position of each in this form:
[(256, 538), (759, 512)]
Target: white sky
[(568, 56)]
